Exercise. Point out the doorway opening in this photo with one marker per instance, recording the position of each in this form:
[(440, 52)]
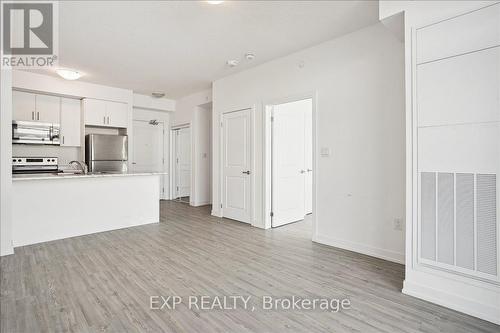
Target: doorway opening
[(290, 164), (181, 171)]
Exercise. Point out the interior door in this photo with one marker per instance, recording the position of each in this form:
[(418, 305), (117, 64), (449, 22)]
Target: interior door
[(183, 162), (288, 168), (149, 149), (237, 165), (308, 155)]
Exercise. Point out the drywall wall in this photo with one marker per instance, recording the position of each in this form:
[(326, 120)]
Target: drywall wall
[(359, 84), (185, 107), (460, 293), (202, 156), (5, 162)]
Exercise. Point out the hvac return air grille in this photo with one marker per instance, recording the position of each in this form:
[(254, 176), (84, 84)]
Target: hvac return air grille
[(458, 222)]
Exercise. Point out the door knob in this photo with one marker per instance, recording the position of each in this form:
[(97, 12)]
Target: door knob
[(302, 171), (309, 170), (246, 172)]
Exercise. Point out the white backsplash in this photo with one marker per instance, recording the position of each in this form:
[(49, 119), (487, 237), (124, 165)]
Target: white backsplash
[(64, 154)]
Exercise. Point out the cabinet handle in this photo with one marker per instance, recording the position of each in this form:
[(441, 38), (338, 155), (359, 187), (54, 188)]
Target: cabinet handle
[(63, 139), (33, 115), (104, 120), (38, 116), (108, 120)]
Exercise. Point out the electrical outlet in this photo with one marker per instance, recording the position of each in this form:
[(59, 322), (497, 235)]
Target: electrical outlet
[(398, 224)]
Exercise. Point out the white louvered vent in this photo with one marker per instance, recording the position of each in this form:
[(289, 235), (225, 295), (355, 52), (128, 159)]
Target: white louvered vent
[(458, 222)]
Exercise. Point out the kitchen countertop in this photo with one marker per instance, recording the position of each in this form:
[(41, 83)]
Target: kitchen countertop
[(51, 176)]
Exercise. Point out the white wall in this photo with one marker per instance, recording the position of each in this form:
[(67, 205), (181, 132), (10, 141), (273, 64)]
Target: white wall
[(460, 293), (359, 83), (195, 110), (202, 165), (5, 162), (186, 107)]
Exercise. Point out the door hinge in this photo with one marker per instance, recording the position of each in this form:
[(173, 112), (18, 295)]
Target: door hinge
[(163, 160), (220, 205), (272, 214), (177, 160), (272, 118), (221, 124)]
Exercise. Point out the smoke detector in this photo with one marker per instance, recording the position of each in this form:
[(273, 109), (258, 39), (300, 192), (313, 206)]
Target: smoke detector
[(158, 94), (232, 63)]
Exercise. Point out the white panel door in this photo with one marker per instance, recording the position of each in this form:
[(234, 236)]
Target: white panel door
[(71, 135), (23, 106), (149, 149), (183, 162), (48, 109), (288, 169), (236, 194)]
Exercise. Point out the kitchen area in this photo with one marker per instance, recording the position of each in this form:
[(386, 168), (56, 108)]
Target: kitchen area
[(72, 161)]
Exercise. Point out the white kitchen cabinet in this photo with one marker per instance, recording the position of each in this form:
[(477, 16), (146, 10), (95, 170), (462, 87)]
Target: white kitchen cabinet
[(23, 105), (48, 108), (70, 122), (95, 112), (117, 114), (105, 113), (35, 107)]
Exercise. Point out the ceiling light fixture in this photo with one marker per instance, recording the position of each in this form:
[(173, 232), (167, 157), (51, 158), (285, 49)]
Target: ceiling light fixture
[(69, 74), (215, 2), (158, 94)]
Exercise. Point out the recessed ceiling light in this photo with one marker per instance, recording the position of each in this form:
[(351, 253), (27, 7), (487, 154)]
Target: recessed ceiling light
[(215, 2), (69, 74)]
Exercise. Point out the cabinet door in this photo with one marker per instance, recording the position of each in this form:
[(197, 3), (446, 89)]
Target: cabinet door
[(117, 113), (48, 109), (70, 122), (23, 105), (95, 112)]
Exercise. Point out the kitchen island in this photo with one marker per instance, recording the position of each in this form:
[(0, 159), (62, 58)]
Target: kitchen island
[(50, 207)]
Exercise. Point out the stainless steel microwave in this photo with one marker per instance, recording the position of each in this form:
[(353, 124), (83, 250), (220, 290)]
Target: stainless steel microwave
[(30, 132)]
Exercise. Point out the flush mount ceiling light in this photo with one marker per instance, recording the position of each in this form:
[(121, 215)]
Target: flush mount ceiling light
[(69, 74), (158, 94), (215, 2)]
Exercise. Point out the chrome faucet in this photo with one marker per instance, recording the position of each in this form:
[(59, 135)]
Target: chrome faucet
[(82, 165)]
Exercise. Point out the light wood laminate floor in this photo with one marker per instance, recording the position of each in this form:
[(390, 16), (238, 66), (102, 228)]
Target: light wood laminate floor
[(103, 282)]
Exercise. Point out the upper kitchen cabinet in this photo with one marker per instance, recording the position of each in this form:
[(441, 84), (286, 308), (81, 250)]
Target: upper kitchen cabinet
[(105, 113), (35, 107), (70, 135), (23, 105)]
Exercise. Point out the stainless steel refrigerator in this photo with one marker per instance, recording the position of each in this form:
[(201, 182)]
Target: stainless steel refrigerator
[(106, 153)]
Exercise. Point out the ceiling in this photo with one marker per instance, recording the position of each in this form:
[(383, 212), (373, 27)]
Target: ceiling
[(180, 47)]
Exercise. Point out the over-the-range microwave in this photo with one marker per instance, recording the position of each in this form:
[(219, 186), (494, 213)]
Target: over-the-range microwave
[(30, 132)]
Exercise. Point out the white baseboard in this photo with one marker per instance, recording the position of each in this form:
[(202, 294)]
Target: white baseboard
[(202, 203), (485, 311), (360, 248)]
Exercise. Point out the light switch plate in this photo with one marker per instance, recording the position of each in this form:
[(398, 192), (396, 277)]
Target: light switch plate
[(325, 151)]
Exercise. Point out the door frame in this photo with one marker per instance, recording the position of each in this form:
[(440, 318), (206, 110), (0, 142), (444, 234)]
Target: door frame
[(267, 142), (252, 161), (173, 153)]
